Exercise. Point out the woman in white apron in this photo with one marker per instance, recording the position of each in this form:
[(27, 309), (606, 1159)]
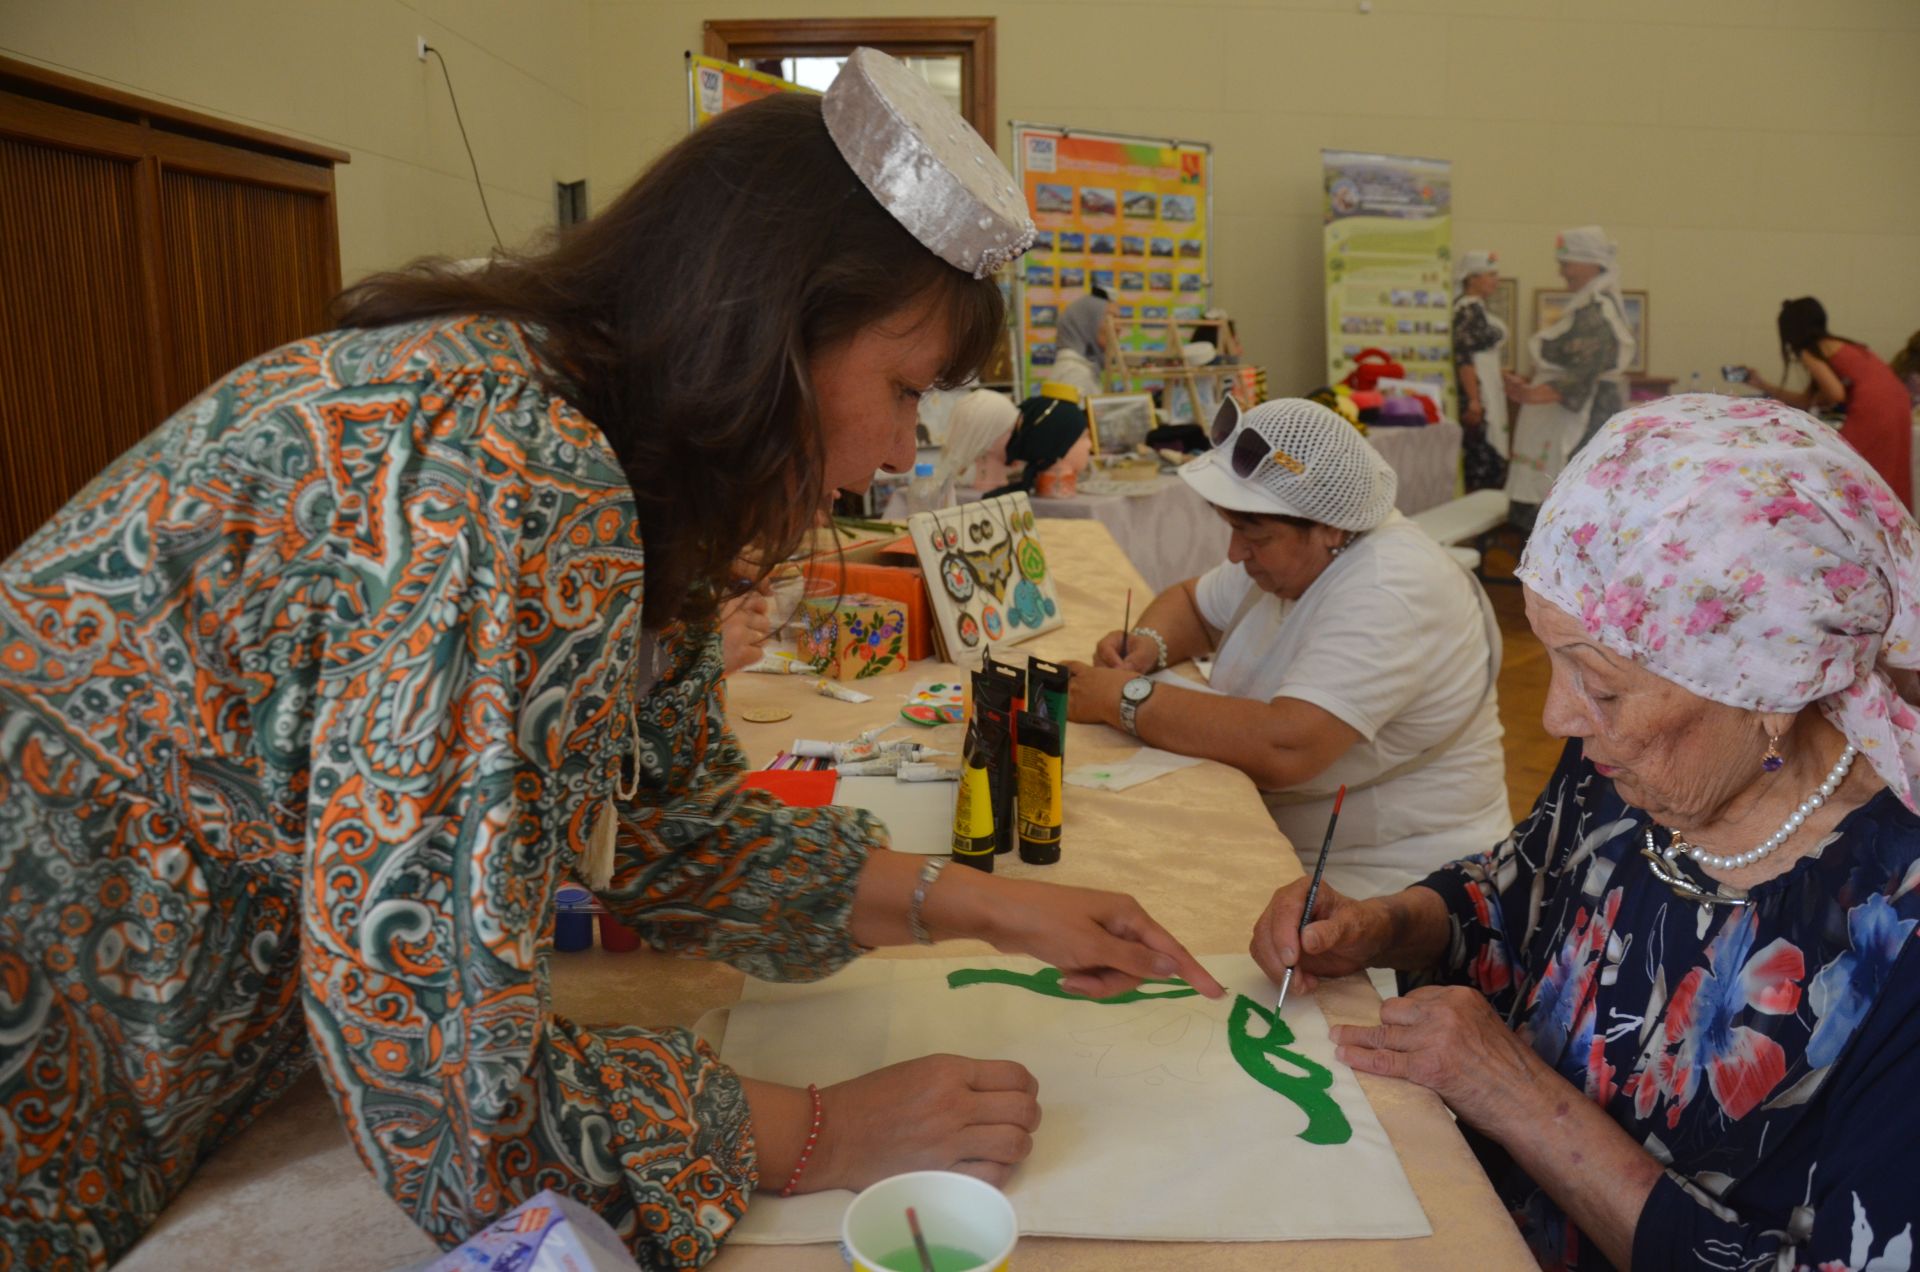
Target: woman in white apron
[(1478, 341), (1579, 371), (1081, 341)]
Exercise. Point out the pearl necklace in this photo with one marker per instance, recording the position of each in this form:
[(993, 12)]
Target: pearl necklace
[(1795, 820)]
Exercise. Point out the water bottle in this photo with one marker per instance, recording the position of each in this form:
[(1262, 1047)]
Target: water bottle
[(923, 493)]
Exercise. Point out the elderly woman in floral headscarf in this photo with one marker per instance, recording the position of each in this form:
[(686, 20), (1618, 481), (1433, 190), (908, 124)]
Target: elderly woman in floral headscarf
[(1679, 1008)]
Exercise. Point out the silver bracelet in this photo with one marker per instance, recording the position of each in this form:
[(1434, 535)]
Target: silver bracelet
[(1157, 639), (916, 926)]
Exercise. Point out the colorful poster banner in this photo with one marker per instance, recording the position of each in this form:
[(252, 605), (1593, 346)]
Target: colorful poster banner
[(1130, 215), (1389, 246), (714, 87)]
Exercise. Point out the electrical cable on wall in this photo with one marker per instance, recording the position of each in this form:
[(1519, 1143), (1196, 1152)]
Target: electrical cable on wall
[(469, 145)]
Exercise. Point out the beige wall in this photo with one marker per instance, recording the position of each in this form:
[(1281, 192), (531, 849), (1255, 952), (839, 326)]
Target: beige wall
[(344, 72), (1742, 151)]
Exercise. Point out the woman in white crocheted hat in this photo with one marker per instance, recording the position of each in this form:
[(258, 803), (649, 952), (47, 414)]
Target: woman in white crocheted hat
[(312, 700), (1349, 647)]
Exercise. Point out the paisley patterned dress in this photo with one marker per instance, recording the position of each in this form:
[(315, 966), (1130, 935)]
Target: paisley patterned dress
[(307, 705), (1767, 1056)]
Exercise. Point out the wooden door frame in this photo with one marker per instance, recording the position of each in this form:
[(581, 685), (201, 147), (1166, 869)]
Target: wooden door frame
[(971, 38)]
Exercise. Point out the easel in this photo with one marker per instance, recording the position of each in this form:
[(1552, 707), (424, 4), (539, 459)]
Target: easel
[(1127, 367)]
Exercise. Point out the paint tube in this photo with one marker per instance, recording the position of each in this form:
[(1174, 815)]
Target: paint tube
[(927, 771), (851, 752), (778, 665), (885, 766), (1040, 794), (1047, 682), (839, 692), (973, 834), (1015, 679), (995, 726)]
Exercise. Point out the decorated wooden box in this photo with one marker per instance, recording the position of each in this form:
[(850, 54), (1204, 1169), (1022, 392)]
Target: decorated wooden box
[(853, 637)]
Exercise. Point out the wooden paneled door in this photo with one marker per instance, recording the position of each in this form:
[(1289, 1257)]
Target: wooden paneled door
[(144, 252)]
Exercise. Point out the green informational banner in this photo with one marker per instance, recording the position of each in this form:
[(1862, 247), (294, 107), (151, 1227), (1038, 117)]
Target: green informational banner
[(1389, 242)]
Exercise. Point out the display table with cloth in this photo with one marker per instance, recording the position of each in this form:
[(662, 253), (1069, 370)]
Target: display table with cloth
[(1427, 461), (1196, 847), (1168, 532)]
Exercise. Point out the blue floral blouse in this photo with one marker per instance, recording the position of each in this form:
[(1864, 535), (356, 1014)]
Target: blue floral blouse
[(1768, 1056)]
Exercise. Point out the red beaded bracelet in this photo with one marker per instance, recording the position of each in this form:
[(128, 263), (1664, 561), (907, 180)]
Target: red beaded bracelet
[(813, 1137)]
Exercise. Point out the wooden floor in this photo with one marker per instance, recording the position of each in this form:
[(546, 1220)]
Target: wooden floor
[(1531, 754)]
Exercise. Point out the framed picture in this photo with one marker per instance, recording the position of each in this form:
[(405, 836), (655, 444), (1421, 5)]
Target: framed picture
[(1550, 303), (1119, 421), (1504, 304)]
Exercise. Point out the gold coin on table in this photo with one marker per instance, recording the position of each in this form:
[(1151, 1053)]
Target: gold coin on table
[(765, 715)]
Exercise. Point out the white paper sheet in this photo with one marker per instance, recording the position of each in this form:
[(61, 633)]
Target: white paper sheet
[(1143, 765), (1168, 676), (1152, 1129), (918, 815)]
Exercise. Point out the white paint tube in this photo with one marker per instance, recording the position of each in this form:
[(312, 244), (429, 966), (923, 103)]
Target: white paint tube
[(839, 692)]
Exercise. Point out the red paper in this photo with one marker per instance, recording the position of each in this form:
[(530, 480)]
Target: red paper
[(796, 788)]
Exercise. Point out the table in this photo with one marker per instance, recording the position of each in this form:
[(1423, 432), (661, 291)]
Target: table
[(1168, 532), (1427, 461), (289, 1193)]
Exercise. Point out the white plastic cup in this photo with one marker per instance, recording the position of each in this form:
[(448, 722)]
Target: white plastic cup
[(956, 1211)]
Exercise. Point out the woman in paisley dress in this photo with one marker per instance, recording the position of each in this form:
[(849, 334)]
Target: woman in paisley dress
[(310, 702), (1679, 1008)]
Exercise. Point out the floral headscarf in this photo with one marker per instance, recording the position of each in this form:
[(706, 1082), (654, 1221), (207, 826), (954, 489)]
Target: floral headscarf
[(1740, 549)]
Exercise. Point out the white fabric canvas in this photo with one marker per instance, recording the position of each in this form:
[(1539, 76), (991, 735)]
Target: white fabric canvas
[(1152, 1129)]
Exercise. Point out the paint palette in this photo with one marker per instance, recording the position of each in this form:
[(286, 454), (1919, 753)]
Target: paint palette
[(987, 572), (941, 702)]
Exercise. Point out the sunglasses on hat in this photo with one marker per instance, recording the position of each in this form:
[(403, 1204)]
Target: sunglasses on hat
[(1245, 447)]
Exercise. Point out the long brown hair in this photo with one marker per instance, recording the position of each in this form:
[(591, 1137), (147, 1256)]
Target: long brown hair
[(682, 319)]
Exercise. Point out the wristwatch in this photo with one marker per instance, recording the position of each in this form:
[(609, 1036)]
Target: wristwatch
[(1132, 694)]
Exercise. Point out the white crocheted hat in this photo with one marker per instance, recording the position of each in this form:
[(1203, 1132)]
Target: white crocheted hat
[(1293, 458)]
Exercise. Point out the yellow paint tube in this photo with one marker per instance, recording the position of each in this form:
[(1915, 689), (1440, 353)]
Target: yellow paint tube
[(973, 837), (1040, 793)]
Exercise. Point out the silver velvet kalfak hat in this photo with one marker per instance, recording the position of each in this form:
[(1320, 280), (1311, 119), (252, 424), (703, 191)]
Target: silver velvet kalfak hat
[(926, 165)]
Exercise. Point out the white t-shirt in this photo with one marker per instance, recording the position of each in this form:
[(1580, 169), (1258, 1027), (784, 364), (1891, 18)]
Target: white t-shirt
[(1391, 640)]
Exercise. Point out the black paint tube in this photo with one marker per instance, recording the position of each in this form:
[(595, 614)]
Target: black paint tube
[(1047, 685), (1014, 678), (1040, 793), (974, 840), (995, 725)]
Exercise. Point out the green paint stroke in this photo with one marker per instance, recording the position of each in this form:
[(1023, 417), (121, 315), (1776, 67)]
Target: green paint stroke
[(1266, 1059), (1311, 1088), (1047, 982)]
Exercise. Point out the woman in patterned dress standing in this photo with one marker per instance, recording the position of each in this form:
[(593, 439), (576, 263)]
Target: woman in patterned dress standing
[(311, 700)]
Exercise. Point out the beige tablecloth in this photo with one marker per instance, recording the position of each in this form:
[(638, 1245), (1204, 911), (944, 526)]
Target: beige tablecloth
[(1196, 846)]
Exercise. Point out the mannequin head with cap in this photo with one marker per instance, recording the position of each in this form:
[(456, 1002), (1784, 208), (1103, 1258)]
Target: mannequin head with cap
[(750, 327)]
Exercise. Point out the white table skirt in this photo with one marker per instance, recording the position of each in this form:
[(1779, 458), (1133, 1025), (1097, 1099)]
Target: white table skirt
[(1427, 461)]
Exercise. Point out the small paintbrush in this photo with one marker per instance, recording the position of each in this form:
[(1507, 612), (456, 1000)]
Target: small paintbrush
[(1313, 892), (919, 1241), (1126, 625)]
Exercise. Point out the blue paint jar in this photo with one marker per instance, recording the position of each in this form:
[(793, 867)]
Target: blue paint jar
[(573, 919)]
